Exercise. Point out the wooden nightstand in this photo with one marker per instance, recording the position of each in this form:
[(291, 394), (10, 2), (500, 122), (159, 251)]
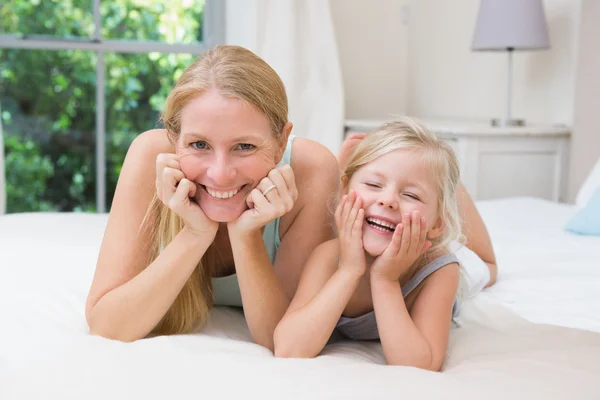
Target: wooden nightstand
[(498, 162)]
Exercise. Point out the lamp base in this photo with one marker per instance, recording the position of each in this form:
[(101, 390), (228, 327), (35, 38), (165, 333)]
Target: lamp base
[(507, 122)]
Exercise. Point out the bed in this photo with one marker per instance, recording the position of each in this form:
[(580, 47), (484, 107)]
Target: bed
[(535, 334)]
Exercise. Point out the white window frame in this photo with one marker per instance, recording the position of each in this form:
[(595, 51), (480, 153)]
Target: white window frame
[(213, 34)]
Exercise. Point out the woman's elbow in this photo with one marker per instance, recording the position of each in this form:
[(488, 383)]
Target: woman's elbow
[(107, 330)]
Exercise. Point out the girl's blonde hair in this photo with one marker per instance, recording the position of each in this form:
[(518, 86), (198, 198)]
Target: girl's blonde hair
[(406, 133), (235, 72)]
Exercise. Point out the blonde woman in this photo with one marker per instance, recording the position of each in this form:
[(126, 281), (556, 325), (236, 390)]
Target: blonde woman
[(222, 207), (389, 275)]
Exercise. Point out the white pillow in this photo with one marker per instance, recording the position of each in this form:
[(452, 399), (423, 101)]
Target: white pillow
[(591, 183)]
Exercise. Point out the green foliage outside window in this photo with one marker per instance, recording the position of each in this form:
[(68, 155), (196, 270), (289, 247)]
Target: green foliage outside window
[(48, 98)]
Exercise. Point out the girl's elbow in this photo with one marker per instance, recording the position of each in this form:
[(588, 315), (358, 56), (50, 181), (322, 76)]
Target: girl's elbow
[(287, 351), (425, 361), (284, 347)]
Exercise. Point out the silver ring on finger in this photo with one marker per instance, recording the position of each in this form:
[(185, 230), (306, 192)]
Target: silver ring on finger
[(267, 190)]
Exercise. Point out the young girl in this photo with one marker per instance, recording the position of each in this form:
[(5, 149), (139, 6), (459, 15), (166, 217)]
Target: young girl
[(389, 274)]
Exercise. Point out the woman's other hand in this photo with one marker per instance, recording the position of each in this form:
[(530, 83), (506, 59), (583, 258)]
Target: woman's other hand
[(273, 197), (177, 192)]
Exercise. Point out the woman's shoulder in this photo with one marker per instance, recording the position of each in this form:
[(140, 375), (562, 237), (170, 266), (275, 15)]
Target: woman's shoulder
[(151, 143), (312, 162), (309, 156)]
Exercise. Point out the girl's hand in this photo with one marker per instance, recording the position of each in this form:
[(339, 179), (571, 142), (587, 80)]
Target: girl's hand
[(407, 245), (177, 193), (274, 196), (349, 218)]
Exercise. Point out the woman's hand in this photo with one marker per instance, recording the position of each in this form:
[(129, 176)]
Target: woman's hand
[(273, 197), (349, 218), (407, 245), (177, 193)]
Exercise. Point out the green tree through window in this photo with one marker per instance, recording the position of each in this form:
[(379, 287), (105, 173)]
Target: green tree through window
[(48, 97)]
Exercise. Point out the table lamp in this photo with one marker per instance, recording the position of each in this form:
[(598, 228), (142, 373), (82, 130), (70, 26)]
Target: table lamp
[(509, 25)]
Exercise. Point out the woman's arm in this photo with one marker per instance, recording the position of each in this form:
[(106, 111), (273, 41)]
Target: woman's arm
[(127, 300), (323, 293), (418, 339), (476, 234), (266, 289)]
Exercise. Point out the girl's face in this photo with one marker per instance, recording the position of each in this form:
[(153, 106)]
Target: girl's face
[(226, 147), (391, 186)]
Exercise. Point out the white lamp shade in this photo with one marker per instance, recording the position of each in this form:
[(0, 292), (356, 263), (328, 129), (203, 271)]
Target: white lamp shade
[(511, 24)]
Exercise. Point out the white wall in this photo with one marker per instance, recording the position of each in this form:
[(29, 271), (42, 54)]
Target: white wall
[(373, 44), (428, 69), (585, 142), (447, 79)]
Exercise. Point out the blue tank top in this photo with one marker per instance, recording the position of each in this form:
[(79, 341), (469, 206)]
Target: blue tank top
[(226, 289), (364, 327)]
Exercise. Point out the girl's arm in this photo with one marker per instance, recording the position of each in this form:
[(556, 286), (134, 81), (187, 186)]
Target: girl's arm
[(331, 276), (323, 293), (476, 234), (418, 338)]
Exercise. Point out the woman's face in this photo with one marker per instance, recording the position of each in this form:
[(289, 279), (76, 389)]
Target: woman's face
[(392, 186), (225, 147)]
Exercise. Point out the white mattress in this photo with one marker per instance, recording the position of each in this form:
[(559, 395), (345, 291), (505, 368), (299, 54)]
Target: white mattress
[(552, 350)]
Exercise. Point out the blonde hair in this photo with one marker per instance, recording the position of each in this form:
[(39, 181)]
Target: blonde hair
[(406, 133), (235, 72)]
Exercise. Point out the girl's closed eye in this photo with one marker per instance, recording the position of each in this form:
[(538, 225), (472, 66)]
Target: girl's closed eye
[(412, 196), (373, 185)]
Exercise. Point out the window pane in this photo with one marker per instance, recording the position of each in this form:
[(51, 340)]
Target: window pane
[(136, 88), (48, 115), (60, 18), (154, 20)]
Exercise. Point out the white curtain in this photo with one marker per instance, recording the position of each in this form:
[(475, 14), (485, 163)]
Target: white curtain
[(296, 37)]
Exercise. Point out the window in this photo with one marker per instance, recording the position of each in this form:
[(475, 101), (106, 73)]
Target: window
[(79, 80)]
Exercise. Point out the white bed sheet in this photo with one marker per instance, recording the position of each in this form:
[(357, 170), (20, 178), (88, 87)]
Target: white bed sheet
[(546, 276)]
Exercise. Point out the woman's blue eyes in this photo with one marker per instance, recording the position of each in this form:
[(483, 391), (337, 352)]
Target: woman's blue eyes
[(246, 146), (201, 145)]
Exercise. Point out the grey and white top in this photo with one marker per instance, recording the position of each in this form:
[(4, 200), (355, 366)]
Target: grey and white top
[(364, 327)]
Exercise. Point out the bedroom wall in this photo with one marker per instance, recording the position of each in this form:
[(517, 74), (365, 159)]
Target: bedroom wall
[(585, 142), (373, 43), (426, 67), (447, 79)]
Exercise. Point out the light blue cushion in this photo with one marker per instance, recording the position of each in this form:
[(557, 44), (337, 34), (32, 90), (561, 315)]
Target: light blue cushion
[(587, 220)]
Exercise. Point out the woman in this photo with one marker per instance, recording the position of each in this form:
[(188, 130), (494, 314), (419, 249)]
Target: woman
[(221, 207)]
